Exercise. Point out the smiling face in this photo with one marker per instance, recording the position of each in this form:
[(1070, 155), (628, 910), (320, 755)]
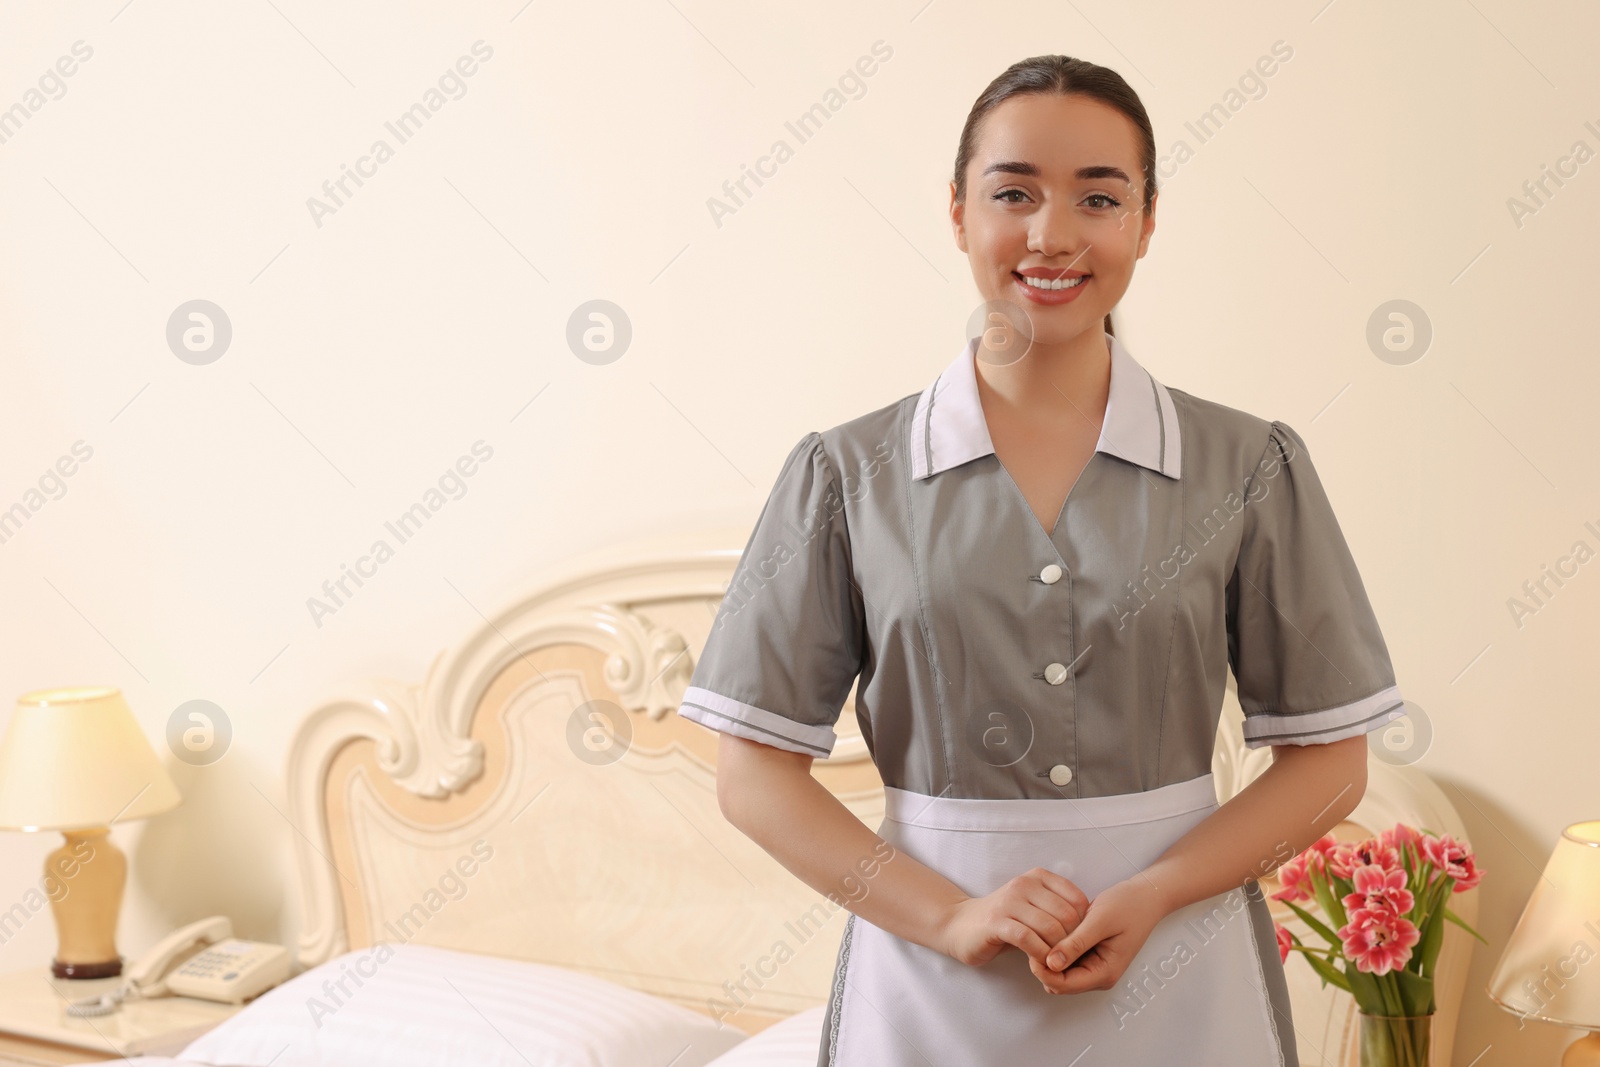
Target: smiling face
[(1055, 191)]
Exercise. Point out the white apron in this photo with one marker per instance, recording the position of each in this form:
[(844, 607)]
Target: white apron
[(1204, 991)]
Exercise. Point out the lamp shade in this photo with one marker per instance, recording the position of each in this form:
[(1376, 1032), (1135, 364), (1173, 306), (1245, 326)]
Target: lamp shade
[(75, 758), (1547, 971)]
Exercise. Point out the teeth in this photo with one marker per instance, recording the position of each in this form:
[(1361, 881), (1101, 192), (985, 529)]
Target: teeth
[(1065, 283)]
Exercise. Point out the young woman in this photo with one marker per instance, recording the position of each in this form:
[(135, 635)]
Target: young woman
[(1040, 567)]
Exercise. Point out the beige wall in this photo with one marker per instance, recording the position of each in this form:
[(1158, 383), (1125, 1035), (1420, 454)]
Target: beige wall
[(373, 345)]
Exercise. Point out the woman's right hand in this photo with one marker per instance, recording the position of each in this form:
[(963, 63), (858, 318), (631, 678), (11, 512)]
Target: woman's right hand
[(1033, 912)]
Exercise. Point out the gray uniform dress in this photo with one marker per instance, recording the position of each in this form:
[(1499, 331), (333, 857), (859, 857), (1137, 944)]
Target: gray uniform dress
[(1038, 697)]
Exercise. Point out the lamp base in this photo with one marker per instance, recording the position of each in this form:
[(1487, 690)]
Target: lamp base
[(104, 969), (86, 876), (1584, 1052)]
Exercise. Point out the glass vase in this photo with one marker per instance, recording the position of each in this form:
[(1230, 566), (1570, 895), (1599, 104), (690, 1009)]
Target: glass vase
[(1396, 1040)]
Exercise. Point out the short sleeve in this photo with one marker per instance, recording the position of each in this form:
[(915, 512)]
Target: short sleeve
[(1304, 645), (788, 640)]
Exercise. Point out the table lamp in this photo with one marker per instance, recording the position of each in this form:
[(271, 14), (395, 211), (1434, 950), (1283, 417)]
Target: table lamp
[(75, 760), (1545, 971)]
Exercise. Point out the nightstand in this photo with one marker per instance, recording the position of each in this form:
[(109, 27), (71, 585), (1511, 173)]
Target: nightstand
[(36, 1029)]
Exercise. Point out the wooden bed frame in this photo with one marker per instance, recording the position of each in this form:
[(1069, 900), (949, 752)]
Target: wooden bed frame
[(489, 809)]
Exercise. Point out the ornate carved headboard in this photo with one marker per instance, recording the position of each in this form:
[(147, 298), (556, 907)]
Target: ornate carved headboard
[(536, 797)]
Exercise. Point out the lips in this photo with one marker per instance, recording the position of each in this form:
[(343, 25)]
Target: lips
[(1050, 273)]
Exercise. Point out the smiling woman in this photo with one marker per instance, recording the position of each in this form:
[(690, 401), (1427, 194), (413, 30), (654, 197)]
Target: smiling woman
[(1058, 838), (1075, 84)]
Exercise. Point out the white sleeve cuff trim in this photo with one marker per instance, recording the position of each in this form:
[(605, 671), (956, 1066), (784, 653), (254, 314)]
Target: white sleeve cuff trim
[(717, 712), (1329, 724)]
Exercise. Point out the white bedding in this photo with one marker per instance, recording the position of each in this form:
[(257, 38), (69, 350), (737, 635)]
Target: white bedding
[(409, 1005), (791, 1043), (421, 1006)]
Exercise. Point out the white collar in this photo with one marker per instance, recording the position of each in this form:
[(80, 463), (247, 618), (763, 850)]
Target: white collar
[(1141, 424)]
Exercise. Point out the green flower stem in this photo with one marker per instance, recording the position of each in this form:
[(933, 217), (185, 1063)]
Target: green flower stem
[(1395, 1042)]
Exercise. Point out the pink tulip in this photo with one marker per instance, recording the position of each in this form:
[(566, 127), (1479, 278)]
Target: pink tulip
[(1401, 835), (1454, 859), (1321, 847), (1378, 941), (1295, 881), (1473, 875), (1341, 861), (1375, 851), (1284, 942), (1378, 889)]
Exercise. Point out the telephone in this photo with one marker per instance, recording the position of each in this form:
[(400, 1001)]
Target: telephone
[(201, 960)]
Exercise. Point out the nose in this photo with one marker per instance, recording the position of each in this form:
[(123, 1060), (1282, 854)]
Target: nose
[(1054, 234)]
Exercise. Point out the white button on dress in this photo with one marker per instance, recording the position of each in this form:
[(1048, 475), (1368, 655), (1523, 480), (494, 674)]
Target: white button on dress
[(1055, 673), (1060, 774), (1050, 575)]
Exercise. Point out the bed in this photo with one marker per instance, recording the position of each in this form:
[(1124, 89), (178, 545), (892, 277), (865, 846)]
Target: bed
[(532, 825)]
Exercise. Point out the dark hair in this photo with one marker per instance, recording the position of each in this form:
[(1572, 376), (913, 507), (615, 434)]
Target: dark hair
[(1062, 75)]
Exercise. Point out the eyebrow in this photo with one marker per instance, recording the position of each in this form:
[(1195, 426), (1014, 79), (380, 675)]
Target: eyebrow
[(1031, 170)]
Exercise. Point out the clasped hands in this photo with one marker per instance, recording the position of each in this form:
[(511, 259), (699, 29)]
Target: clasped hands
[(1073, 944)]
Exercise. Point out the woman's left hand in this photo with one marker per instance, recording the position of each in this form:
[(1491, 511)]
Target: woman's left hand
[(1097, 952)]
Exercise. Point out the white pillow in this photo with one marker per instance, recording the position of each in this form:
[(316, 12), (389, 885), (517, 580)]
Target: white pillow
[(794, 1042), (407, 1005)]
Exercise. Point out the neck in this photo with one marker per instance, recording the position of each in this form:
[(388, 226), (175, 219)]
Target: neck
[(1054, 384)]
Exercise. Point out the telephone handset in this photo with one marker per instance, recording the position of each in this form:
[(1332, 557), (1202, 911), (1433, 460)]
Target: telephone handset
[(202, 960)]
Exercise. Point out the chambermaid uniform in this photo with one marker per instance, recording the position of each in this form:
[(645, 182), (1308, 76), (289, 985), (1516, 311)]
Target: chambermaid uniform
[(1049, 698)]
